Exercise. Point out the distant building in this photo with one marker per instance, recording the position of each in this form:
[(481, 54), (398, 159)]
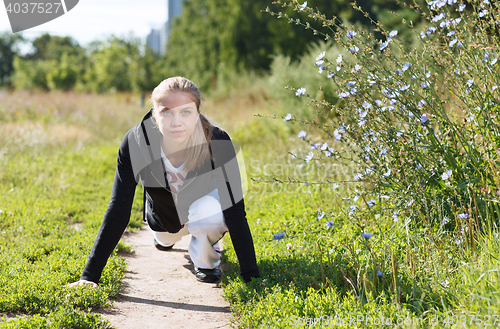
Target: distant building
[(154, 41), (157, 39)]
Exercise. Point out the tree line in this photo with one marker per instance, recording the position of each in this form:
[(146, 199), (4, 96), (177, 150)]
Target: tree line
[(210, 39)]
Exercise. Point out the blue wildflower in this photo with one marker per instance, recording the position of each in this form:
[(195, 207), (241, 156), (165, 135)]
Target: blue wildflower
[(445, 23), (337, 135), (321, 215), (461, 7), (351, 34), (351, 83), (330, 224), (447, 174), (302, 134), (278, 236), (366, 235), (463, 216), (288, 117), (379, 274), (300, 91), (320, 57), (354, 49), (371, 202), (424, 118), (437, 18)]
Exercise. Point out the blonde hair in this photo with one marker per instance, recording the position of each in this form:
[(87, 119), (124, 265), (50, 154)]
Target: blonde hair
[(198, 145)]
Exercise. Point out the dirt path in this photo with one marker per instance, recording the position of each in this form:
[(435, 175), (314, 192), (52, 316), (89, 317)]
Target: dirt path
[(160, 290)]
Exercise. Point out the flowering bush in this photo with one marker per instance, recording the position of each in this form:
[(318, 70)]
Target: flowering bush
[(419, 124)]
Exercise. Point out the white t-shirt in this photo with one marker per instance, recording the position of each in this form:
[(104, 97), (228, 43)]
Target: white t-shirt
[(175, 176)]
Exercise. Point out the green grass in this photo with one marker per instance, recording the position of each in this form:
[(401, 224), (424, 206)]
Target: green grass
[(54, 189), (52, 205)]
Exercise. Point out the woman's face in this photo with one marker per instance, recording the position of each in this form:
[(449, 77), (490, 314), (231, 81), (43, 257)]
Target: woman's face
[(177, 117)]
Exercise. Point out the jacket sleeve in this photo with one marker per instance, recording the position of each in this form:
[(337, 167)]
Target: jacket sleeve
[(116, 216), (231, 195)]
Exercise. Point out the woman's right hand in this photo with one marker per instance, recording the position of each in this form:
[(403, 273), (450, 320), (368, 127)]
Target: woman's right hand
[(81, 283)]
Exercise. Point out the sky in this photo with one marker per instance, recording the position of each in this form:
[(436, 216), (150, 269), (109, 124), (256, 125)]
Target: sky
[(93, 20)]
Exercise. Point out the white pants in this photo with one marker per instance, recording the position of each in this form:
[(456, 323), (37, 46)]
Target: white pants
[(206, 225)]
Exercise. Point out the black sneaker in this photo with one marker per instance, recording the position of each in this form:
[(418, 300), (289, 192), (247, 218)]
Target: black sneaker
[(162, 248), (207, 275)]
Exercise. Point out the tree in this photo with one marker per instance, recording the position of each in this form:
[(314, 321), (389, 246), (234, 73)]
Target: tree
[(56, 63), (215, 36), (113, 65), (53, 47), (8, 50)]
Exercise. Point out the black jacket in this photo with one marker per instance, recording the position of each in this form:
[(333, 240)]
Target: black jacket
[(139, 157)]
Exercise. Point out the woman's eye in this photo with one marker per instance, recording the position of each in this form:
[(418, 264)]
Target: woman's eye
[(164, 113), (186, 112)]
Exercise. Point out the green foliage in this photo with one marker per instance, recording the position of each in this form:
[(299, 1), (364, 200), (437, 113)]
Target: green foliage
[(47, 47), (61, 318), (113, 66), (52, 199), (8, 50), (395, 235), (56, 63), (206, 48)]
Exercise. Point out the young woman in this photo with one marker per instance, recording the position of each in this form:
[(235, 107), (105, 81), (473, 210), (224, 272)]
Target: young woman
[(191, 183)]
